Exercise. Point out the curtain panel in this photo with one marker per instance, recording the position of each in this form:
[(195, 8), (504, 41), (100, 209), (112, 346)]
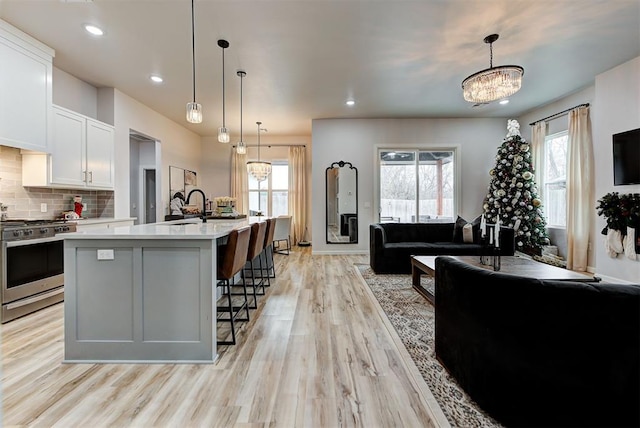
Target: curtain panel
[(580, 185), (297, 192)]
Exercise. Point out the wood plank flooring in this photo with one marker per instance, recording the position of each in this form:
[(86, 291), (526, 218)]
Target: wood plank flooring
[(316, 353)]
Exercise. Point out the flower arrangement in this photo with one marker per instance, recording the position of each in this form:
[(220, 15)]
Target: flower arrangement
[(225, 201), (620, 211)]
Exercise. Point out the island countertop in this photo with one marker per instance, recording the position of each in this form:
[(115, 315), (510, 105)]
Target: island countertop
[(192, 228)]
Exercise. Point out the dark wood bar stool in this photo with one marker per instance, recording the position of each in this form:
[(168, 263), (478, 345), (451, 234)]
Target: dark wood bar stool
[(231, 259), (256, 243), (267, 252)]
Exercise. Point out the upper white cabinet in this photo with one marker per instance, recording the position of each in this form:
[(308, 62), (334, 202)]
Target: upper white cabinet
[(25, 90), (82, 153)]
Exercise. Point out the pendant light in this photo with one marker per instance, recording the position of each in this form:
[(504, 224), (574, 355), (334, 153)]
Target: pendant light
[(492, 83), (223, 132), (194, 110), (260, 170), (241, 148)]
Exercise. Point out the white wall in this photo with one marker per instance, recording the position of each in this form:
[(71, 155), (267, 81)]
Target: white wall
[(74, 94), (179, 146), (617, 108), (356, 141)]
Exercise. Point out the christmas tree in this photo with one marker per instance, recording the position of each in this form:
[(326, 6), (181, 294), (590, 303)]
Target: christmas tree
[(512, 196)]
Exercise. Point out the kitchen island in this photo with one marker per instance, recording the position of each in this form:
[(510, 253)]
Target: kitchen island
[(143, 293)]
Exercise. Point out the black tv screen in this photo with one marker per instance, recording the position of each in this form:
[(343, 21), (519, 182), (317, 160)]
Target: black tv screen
[(626, 157)]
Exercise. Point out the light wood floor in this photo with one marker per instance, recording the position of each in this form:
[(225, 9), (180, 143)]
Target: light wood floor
[(316, 353)]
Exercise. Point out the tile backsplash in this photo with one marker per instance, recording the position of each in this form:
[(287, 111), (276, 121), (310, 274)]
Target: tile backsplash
[(25, 202)]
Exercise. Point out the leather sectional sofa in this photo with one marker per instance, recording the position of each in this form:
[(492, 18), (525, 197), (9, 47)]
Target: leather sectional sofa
[(538, 352), (391, 245)]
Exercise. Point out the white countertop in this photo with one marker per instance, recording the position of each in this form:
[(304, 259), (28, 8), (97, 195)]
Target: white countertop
[(192, 228), (99, 220)]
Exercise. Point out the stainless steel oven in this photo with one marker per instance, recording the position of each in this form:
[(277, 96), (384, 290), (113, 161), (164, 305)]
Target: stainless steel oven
[(32, 263)]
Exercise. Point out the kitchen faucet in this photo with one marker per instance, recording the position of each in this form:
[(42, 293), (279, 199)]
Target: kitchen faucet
[(204, 203)]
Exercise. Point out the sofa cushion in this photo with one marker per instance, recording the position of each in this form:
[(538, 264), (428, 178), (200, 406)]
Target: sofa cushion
[(458, 236)]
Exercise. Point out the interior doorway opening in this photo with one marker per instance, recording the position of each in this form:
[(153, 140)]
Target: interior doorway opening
[(144, 178)]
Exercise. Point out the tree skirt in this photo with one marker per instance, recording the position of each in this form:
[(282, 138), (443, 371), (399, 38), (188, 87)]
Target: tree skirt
[(413, 318)]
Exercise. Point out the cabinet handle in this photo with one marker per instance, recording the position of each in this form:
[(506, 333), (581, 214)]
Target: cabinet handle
[(90, 176), (85, 176)]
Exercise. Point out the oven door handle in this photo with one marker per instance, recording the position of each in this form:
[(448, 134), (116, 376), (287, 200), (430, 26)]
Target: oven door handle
[(34, 241), (35, 298)]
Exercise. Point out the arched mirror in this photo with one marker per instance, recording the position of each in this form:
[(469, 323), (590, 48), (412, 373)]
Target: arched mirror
[(342, 203)]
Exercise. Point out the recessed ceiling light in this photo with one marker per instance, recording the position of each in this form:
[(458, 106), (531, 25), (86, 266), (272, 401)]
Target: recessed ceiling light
[(503, 102), (350, 102), (96, 31), (155, 78)]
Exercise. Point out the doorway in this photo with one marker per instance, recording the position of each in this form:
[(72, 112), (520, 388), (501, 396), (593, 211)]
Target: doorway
[(149, 191), (144, 177)]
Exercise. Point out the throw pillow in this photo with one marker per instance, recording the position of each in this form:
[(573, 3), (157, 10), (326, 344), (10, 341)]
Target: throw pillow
[(457, 229), (467, 233), (475, 239)]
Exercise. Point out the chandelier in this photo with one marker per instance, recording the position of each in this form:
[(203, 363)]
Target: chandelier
[(223, 132), (259, 170), (194, 110), (493, 83)]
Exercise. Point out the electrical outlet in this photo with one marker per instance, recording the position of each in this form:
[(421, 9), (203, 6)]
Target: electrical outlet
[(105, 255), (43, 208)]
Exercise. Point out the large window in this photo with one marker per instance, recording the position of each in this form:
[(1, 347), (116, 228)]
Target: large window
[(555, 179), (416, 185), (271, 196)]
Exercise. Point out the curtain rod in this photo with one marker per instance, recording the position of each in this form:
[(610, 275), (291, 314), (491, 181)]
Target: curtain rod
[(273, 145), (553, 116)]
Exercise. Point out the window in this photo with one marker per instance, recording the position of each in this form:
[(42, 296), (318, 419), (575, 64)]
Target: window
[(555, 179), (271, 196), (416, 185)]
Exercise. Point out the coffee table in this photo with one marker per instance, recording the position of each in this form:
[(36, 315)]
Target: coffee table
[(509, 264)]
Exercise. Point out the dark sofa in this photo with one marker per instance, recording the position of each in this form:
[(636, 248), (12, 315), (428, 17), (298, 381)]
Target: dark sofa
[(540, 353), (391, 245)]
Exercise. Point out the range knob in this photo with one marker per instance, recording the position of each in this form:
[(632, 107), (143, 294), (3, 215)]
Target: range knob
[(28, 232), (17, 233), (57, 229), (43, 230)]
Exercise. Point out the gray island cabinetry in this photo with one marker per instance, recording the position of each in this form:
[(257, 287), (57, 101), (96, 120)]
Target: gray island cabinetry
[(143, 293)]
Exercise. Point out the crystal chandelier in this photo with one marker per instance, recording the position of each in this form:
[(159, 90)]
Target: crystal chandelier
[(194, 110), (493, 83), (223, 132), (241, 148), (259, 170)]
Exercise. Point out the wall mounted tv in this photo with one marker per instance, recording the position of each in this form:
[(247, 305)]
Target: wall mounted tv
[(626, 157)]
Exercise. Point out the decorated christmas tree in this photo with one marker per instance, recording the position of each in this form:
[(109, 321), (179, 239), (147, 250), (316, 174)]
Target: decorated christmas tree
[(512, 196)]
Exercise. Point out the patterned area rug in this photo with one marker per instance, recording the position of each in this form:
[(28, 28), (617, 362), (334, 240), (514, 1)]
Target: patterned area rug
[(413, 318)]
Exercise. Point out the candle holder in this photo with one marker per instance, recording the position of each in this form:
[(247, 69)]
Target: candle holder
[(489, 254)]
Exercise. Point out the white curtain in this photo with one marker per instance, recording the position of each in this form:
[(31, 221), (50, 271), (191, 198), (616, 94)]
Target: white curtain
[(538, 134), (240, 182), (298, 192), (580, 184)]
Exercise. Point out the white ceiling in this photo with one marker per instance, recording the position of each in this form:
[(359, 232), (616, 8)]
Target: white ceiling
[(304, 59)]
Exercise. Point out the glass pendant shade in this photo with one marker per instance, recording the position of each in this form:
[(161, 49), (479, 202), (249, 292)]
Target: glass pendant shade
[(194, 113), (223, 135), (493, 83), (241, 148), (259, 170)]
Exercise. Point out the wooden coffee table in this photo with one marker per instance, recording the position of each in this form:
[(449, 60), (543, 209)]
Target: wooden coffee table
[(509, 264)]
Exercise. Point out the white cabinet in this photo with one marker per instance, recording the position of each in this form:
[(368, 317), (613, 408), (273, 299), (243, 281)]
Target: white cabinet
[(25, 90), (82, 151), (98, 223)]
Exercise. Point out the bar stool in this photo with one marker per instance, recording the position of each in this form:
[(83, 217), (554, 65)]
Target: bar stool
[(268, 250), (231, 260), (256, 242)]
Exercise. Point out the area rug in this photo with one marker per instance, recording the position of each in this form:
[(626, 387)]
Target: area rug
[(413, 318)]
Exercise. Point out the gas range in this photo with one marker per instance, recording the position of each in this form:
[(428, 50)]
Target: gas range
[(18, 229)]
